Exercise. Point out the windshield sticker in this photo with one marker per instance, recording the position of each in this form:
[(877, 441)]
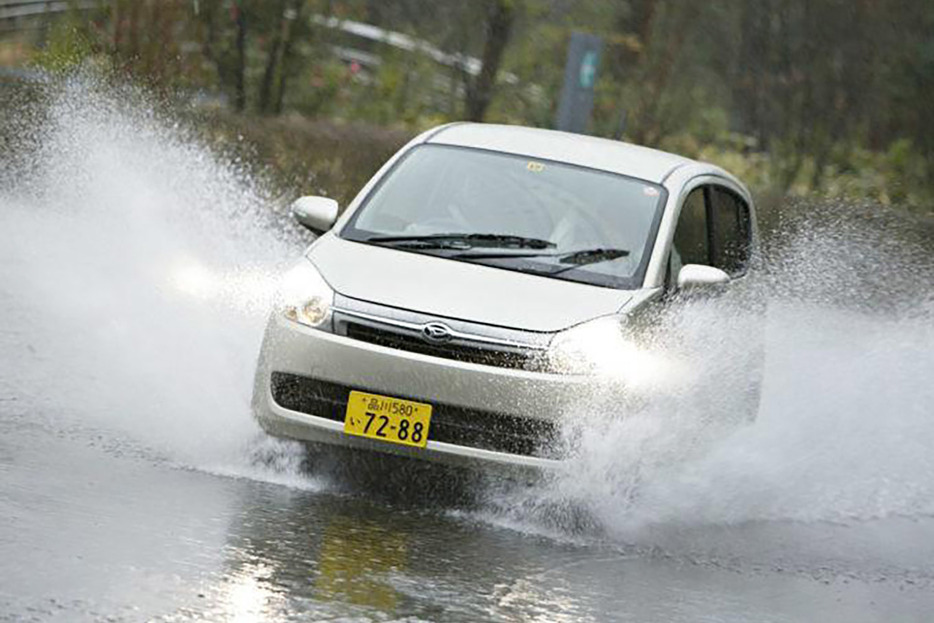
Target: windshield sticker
[(535, 167), (650, 191)]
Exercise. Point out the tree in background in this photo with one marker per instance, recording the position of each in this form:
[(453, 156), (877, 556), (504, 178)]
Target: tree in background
[(146, 41), (500, 15), (279, 57), (654, 35), (805, 94)]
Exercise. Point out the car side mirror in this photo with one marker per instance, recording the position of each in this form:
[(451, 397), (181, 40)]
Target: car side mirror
[(693, 276), (316, 213)]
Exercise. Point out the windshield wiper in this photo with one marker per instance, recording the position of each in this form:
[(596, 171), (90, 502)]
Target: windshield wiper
[(577, 258), (463, 241), (591, 256)]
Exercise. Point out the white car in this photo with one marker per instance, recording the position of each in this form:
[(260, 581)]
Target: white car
[(479, 281)]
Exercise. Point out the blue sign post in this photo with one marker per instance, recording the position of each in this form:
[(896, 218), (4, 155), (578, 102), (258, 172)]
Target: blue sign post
[(580, 75)]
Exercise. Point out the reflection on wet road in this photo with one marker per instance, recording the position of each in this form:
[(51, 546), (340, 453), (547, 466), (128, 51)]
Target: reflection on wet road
[(95, 530)]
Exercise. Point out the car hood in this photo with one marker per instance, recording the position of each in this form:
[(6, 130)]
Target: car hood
[(454, 289)]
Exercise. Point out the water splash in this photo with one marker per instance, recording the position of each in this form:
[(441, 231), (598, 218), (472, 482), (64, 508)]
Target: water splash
[(844, 431), (136, 268)]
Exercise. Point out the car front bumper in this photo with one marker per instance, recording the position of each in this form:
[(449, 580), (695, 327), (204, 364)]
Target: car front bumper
[(293, 349)]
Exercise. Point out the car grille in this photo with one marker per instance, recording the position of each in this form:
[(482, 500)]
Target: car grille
[(469, 342), (449, 423), (459, 352)]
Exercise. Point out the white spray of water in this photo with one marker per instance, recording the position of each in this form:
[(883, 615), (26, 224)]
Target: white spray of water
[(845, 430), (135, 272), (136, 269)]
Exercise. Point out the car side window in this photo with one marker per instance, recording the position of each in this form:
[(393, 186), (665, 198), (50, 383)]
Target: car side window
[(713, 230), (691, 244), (730, 230)]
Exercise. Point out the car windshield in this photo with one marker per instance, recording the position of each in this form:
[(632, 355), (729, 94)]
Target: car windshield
[(514, 212)]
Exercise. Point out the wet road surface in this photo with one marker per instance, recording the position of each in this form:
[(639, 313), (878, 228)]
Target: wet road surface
[(95, 529)]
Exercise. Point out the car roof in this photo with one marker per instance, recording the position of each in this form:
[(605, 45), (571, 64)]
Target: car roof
[(588, 151)]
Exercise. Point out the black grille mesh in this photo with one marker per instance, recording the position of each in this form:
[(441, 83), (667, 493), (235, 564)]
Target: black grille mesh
[(459, 352), (449, 423)]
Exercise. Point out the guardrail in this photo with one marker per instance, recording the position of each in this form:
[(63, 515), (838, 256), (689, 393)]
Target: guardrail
[(18, 9)]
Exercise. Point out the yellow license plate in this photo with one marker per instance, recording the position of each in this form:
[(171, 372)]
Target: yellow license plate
[(387, 419)]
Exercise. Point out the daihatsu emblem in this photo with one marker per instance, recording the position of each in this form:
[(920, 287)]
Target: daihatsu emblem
[(436, 332)]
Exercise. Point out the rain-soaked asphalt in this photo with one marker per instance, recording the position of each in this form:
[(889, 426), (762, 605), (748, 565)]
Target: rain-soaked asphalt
[(94, 531)]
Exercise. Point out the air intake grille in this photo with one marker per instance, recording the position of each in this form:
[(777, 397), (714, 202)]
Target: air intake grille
[(449, 423)]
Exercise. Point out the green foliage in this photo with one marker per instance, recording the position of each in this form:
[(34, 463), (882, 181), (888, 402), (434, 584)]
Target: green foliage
[(898, 176), (68, 45), (321, 90), (302, 156)]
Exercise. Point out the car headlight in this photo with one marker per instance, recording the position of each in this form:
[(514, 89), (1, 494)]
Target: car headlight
[(602, 347), (304, 296)]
